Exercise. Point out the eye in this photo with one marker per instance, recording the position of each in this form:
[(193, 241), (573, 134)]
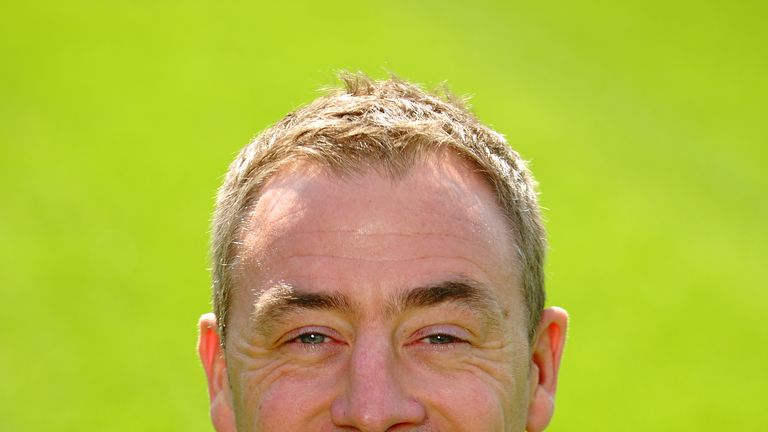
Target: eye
[(441, 339), (313, 342), (311, 338)]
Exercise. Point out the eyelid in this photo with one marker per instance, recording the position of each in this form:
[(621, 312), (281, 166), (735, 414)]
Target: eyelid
[(292, 335), (451, 330)]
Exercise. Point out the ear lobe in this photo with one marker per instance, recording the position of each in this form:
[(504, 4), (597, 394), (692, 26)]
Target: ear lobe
[(545, 363), (215, 366)]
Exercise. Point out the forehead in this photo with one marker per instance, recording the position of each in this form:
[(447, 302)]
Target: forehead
[(439, 217)]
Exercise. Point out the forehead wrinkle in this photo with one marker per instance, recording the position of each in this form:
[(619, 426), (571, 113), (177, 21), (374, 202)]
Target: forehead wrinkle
[(376, 260), (394, 248), (373, 234)]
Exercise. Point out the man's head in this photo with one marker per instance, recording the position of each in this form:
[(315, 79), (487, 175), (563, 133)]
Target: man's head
[(378, 265)]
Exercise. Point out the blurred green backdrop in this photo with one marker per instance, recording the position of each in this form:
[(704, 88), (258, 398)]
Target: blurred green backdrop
[(645, 122)]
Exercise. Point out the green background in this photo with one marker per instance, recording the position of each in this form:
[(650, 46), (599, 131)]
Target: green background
[(645, 122)]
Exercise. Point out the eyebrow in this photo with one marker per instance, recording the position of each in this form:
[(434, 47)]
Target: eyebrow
[(282, 300), (471, 294)]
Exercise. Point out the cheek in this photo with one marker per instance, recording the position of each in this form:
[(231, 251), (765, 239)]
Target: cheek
[(476, 400), (295, 400), (468, 405)]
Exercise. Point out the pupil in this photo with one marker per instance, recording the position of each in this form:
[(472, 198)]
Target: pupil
[(311, 338), (441, 339)]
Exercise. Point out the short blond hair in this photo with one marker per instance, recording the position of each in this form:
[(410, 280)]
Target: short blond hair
[(387, 124)]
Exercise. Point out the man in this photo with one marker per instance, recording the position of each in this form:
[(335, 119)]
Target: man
[(377, 266)]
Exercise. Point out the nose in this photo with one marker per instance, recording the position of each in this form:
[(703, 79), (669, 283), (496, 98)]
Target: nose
[(373, 397)]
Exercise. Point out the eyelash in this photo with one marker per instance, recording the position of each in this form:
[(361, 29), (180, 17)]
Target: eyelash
[(448, 339), (311, 338), (310, 334)]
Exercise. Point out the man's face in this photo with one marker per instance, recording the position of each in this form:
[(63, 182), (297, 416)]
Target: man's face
[(372, 304)]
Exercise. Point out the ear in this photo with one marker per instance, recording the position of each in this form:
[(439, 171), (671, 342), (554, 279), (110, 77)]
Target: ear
[(545, 363), (214, 363)]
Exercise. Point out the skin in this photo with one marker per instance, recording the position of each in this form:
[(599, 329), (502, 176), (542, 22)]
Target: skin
[(367, 303)]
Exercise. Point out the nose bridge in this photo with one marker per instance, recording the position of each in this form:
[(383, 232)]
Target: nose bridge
[(372, 368), (374, 398)]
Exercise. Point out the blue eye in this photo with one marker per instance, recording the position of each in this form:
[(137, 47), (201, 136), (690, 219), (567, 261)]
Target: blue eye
[(311, 338), (441, 338)]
